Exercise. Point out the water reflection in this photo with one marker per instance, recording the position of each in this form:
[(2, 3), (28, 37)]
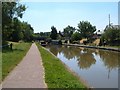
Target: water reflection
[(98, 67), (86, 57), (110, 59), (86, 60)]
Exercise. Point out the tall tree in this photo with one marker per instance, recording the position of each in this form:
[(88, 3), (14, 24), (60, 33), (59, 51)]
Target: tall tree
[(27, 30), (53, 34), (68, 31), (86, 29), (10, 10), (17, 33)]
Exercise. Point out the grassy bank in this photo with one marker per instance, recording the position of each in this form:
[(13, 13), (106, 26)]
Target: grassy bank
[(10, 58), (56, 74)]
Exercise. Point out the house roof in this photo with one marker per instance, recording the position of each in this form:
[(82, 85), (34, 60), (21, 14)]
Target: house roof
[(116, 26)]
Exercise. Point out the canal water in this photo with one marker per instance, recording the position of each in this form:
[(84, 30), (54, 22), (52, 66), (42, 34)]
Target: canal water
[(99, 68)]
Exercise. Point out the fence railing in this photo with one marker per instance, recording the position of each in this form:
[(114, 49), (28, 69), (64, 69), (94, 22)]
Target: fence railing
[(8, 45)]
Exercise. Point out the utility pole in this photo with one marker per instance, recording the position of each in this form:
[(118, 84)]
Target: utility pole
[(119, 13)]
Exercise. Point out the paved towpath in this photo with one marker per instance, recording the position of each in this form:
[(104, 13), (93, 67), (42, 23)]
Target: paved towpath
[(29, 73)]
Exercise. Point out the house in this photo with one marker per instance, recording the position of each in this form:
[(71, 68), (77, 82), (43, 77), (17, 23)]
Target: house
[(97, 35), (116, 26)]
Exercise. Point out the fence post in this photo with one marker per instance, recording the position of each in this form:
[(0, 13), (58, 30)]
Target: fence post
[(11, 46)]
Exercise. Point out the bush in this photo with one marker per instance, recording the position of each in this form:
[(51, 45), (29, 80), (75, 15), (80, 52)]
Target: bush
[(111, 36)]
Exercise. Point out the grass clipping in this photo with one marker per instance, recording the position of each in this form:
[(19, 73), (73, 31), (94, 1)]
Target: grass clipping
[(56, 74)]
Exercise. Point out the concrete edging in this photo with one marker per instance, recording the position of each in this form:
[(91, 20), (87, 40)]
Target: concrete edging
[(95, 47)]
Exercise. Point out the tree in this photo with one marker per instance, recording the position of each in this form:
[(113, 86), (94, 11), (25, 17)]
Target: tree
[(111, 36), (27, 31), (76, 36), (53, 34), (16, 33), (13, 28), (68, 31), (45, 34), (10, 10), (86, 29)]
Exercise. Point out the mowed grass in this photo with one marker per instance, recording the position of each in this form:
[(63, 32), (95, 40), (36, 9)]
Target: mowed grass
[(56, 74), (10, 58)]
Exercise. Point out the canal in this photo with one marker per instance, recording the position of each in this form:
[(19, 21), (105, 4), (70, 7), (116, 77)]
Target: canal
[(99, 68)]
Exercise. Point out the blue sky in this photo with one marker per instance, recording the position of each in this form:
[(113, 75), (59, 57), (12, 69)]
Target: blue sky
[(43, 15)]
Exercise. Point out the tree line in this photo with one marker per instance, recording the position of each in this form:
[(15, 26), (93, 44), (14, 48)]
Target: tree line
[(85, 30), (12, 28), (110, 36)]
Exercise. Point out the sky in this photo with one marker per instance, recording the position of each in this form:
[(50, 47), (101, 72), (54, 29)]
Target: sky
[(43, 15)]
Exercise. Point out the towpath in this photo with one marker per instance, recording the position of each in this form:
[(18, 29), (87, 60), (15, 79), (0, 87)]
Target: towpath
[(29, 73)]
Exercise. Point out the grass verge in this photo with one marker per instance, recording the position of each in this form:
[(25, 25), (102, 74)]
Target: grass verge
[(56, 74), (10, 58)]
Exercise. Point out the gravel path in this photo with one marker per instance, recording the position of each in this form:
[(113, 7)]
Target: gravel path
[(29, 73)]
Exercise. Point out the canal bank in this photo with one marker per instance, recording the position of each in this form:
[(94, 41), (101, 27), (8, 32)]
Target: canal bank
[(73, 73), (56, 74), (95, 47)]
